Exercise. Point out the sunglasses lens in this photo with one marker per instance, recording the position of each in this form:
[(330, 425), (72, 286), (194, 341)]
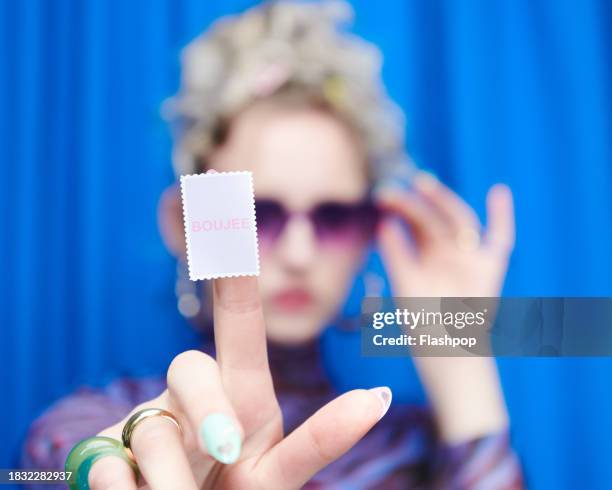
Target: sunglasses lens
[(341, 223), (271, 219)]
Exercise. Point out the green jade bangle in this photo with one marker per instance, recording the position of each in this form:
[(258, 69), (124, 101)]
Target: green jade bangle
[(86, 453)]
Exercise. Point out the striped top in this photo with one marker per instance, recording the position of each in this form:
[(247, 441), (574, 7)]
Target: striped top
[(402, 451)]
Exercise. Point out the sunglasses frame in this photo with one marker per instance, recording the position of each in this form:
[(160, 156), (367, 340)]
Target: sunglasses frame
[(349, 229)]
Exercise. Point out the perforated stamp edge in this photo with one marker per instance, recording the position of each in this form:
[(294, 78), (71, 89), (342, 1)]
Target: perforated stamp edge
[(213, 175)]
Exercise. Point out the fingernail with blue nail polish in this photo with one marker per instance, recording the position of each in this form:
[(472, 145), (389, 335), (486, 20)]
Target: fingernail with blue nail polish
[(221, 438)]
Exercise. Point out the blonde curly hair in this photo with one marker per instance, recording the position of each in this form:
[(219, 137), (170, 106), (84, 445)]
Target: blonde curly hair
[(276, 48)]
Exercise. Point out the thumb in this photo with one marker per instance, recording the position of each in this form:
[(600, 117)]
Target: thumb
[(323, 438)]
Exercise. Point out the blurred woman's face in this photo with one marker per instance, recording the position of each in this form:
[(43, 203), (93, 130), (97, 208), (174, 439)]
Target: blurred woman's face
[(309, 178)]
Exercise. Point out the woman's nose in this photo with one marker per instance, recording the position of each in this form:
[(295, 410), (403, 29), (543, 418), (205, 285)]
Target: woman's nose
[(297, 244)]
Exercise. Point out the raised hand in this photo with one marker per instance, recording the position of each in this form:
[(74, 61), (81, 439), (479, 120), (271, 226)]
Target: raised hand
[(445, 255), (231, 425)]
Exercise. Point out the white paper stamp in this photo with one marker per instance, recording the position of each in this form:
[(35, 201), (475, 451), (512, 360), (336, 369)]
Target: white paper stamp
[(220, 228)]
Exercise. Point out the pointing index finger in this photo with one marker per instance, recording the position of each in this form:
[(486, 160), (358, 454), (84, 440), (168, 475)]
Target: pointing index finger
[(240, 339)]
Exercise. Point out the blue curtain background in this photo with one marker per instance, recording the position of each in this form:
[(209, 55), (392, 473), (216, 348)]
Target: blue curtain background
[(518, 91)]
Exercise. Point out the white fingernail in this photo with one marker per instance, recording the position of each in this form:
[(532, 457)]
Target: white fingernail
[(384, 395)]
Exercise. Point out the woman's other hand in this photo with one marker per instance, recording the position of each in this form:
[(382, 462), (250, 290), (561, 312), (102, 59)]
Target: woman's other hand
[(446, 254), (232, 431)]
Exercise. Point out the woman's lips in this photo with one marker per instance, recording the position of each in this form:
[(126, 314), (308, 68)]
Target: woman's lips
[(292, 299)]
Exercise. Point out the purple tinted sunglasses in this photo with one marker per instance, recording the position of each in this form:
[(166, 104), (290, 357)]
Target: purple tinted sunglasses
[(333, 222)]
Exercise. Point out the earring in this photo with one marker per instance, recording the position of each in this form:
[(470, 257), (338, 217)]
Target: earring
[(193, 299), (187, 298)]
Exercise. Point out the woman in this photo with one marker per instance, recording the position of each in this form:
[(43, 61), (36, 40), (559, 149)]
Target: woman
[(279, 91)]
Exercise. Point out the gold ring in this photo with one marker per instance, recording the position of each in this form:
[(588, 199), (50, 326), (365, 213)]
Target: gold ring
[(137, 418)]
